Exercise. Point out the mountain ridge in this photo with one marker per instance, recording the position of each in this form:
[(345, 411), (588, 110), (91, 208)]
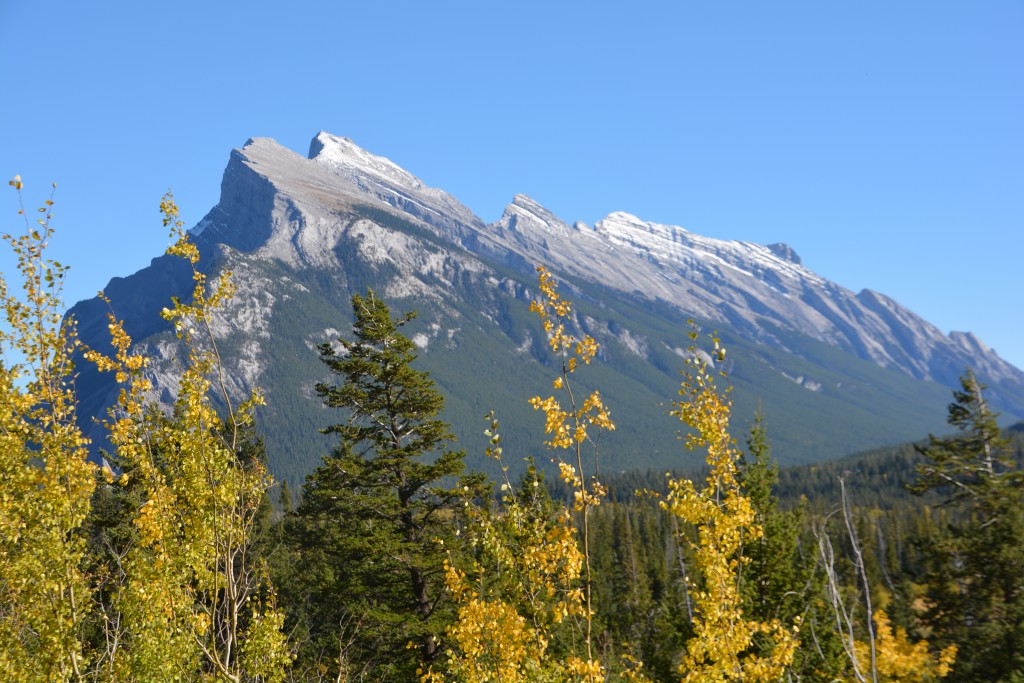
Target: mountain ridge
[(526, 224), (843, 371)]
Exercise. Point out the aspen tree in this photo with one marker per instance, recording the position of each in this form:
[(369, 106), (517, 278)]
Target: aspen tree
[(721, 648), (881, 652), (505, 626), (194, 603), (47, 480)]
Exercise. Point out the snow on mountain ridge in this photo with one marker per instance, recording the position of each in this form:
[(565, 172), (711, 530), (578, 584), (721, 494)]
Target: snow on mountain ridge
[(754, 288), (524, 214), (341, 154), (388, 182), (676, 244), (529, 220)]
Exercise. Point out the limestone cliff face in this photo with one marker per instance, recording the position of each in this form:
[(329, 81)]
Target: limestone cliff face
[(301, 233), (750, 286), (754, 288)]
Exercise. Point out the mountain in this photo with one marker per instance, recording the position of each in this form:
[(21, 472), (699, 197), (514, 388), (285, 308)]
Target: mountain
[(833, 371)]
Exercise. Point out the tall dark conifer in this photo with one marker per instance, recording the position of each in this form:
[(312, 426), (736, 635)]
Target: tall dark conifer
[(772, 584), (779, 582), (976, 589), (375, 514)]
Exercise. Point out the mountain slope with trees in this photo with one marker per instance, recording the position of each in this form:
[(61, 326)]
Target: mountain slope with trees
[(835, 372), (170, 568)]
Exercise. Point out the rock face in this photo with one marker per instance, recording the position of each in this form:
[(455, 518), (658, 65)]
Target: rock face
[(724, 282), (840, 370), (747, 286)]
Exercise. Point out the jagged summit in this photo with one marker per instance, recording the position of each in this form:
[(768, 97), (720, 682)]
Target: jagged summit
[(525, 215), (348, 159), (785, 252), (754, 287)]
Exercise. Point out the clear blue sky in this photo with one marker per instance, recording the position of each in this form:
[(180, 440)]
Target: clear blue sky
[(884, 141)]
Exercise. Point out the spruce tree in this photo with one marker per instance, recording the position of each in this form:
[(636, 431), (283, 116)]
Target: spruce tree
[(778, 582), (973, 465), (374, 516), (975, 592), (773, 581)]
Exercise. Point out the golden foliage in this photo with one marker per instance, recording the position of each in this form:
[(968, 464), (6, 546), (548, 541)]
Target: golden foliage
[(720, 649), (568, 429), (897, 659), (524, 584), (504, 624), (191, 600), (186, 603), (47, 479)]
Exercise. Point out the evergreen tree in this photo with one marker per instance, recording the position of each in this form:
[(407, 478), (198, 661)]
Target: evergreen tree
[(773, 581), (972, 466), (285, 499), (374, 516), (976, 593), (778, 582)]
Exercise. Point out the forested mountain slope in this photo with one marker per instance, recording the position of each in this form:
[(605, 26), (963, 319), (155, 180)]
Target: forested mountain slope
[(834, 372)]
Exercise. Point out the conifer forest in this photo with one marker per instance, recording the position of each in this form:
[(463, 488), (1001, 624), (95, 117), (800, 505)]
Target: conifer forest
[(168, 553)]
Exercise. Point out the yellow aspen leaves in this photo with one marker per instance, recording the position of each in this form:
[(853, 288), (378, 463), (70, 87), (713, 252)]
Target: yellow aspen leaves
[(723, 517), (522, 586), (566, 428), (569, 429), (183, 602), (191, 599), (47, 478), (899, 660), (531, 575)]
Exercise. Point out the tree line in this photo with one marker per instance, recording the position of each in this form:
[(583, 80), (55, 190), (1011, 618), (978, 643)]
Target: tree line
[(168, 561)]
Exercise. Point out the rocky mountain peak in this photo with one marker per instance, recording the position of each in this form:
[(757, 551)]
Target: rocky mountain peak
[(785, 252), (380, 177), (670, 244), (346, 158), (743, 284), (524, 215), (302, 233)]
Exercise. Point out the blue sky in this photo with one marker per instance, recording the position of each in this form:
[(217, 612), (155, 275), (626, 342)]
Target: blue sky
[(882, 140)]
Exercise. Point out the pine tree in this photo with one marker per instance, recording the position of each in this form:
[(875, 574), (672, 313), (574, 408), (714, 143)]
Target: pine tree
[(976, 593), (973, 466), (374, 516), (777, 581), (773, 581)]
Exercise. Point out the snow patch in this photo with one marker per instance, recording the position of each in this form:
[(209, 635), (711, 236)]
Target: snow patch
[(343, 156), (526, 345), (638, 345), (805, 382)]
